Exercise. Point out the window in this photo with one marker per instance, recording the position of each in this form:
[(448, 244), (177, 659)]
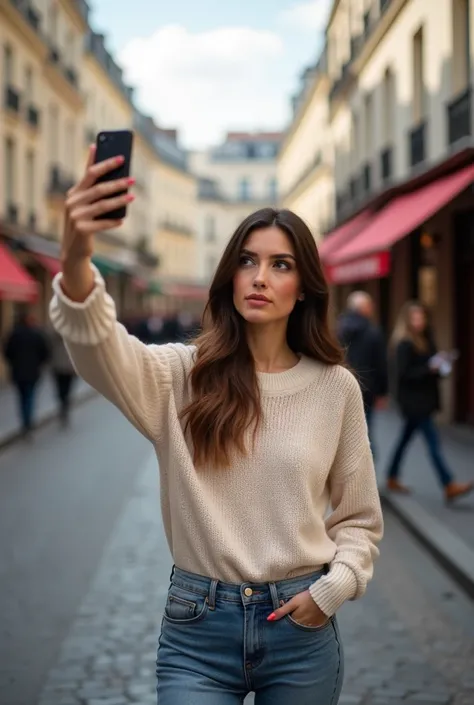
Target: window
[(368, 126), (418, 78), (30, 181), (388, 107), (7, 65), (244, 189), (461, 48), (210, 228), (10, 172), (272, 189)]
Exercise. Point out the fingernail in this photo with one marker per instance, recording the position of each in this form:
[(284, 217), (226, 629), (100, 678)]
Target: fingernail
[(130, 181), (271, 617), (130, 197), (120, 160)]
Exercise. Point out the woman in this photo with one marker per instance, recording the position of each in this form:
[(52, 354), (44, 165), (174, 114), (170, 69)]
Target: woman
[(417, 374), (257, 429)]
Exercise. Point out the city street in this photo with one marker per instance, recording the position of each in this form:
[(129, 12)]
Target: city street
[(84, 570)]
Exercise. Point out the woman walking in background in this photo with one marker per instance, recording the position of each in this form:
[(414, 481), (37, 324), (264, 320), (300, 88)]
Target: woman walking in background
[(418, 369), (258, 429)]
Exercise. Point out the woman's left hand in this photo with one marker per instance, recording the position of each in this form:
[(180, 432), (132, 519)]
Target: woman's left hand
[(303, 609)]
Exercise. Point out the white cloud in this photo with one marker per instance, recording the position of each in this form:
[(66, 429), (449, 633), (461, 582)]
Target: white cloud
[(201, 82), (309, 16)]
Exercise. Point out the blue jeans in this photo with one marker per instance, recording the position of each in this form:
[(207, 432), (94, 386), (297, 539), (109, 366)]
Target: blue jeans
[(369, 417), (216, 646), (26, 398), (428, 429)]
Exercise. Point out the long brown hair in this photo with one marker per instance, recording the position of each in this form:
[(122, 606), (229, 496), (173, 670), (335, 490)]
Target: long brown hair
[(225, 392), (403, 331)]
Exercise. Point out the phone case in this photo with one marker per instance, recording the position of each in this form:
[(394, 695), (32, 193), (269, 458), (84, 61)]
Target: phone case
[(113, 143)]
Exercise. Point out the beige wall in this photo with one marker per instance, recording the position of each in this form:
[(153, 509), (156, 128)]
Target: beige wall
[(174, 217)]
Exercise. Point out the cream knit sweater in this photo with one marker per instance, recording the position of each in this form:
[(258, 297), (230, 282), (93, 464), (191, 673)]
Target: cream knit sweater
[(265, 518)]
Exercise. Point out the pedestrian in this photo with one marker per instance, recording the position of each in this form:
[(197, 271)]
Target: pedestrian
[(366, 353), (26, 353), (417, 372), (64, 376), (258, 429)]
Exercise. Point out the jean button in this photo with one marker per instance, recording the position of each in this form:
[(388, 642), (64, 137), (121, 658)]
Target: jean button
[(248, 592)]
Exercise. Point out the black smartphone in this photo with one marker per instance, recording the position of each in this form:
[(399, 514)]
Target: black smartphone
[(114, 143)]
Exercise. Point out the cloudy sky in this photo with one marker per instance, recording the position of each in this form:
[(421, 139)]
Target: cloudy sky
[(213, 65)]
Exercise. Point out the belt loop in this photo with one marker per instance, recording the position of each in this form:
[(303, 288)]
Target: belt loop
[(212, 594), (274, 595)]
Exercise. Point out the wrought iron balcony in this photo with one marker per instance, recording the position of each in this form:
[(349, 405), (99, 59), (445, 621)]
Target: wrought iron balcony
[(12, 99), (417, 144), (386, 166), (32, 116), (459, 117)]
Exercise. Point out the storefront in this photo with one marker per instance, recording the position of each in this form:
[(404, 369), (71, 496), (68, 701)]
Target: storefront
[(419, 245)]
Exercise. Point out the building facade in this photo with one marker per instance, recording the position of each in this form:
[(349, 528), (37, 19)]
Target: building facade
[(400, 124), (60, 87), (235, 178)]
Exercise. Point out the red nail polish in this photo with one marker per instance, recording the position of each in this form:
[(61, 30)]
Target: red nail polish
[(271, 617), (130, 181), (130, 197), (120, 160)]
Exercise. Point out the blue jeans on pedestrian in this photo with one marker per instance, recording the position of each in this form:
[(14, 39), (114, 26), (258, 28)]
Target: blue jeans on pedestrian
[(428, 428), (216, 646), (26, 399), (369, 417)]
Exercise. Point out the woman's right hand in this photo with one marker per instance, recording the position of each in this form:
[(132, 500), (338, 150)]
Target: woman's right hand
[(85, 201)]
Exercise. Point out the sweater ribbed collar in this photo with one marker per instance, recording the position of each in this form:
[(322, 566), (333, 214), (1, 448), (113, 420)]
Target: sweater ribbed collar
[(301, 375)]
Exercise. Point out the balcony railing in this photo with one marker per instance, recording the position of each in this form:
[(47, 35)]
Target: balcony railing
[(32, 116), (59, 182), (12, 99), (386, 166), (12, 213), (459, 117), (417, 146)]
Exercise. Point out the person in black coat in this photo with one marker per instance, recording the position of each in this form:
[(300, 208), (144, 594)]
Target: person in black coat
[(417, 370), (26, 351), (366, 352)]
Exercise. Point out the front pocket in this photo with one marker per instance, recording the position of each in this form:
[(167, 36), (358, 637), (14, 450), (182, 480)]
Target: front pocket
[(307, 628), (183, 607)]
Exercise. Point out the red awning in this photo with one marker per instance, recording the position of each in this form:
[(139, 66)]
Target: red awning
[(51, 264), (15, 282), (341, 235), (402, 216)]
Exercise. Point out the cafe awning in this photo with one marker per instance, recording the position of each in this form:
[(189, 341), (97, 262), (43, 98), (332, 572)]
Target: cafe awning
[(367, 255), (16, 284)]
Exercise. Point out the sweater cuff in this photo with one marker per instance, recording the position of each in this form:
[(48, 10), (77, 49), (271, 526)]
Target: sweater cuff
[(83, 323), (333, 589)]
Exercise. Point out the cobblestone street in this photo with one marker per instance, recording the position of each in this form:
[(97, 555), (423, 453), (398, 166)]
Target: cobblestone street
[(406, 642)]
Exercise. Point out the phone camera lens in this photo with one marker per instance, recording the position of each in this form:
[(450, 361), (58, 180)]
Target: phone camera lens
[(102, 138)]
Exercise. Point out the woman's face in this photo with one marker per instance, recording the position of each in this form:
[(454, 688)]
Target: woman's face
[(417, 320), (267, 283)]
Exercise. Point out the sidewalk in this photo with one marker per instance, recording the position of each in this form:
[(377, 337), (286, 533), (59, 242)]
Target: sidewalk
[(46, 406), (447, 530)]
